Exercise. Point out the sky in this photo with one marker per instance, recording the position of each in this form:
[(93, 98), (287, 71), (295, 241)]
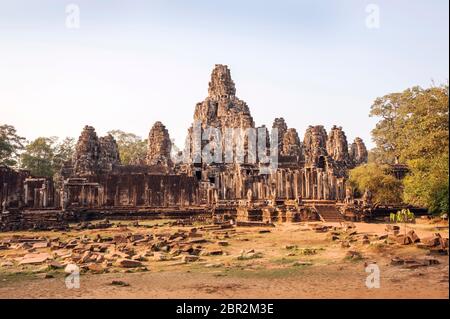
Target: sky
[(131, 63)]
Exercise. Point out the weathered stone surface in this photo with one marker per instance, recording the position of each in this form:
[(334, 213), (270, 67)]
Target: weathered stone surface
[(403, 240), (315, 143), (34, 258), (432, 241), (291, 145), (93, 154), (281, 126), (358, 152), (337, 146), (87, 152), (128, 263), (109, 152), (159, 145), (413, 238), (189, 258)]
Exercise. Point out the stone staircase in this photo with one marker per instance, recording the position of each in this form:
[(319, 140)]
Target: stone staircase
[(329, 213)]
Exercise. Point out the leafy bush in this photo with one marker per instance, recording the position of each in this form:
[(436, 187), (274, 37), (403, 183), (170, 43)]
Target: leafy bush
[(385, 188)]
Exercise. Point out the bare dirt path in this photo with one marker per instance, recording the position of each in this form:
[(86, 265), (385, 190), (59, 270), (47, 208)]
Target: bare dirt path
[(275, 275)]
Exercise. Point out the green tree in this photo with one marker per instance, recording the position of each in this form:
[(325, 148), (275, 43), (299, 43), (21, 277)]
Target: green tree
[(38, 157), (10, 145), (427, 185), (414, 129), (414, 124), (384, 187), (385, 134), (132, 149), (63, 152)]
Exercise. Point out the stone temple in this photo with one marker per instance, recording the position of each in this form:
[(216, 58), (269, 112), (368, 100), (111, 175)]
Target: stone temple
[(308, 181)]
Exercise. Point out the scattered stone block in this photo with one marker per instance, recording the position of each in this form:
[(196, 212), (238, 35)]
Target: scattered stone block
[(128, 263), (96, 268), (189, 258), (403, 240), (160, 256), (413, 238), (34, 258)]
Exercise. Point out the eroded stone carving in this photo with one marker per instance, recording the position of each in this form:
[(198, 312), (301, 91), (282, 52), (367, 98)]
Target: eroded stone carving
[(291, 144), (159, 145), (337, 146), (358, 152), (315, 143)]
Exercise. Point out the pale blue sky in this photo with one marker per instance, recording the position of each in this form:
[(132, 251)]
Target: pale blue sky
[(135, 62)]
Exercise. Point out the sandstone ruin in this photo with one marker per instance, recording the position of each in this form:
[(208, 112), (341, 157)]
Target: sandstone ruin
[(308, 183)]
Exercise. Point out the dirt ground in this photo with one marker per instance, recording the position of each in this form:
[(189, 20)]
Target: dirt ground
[(289, 261)]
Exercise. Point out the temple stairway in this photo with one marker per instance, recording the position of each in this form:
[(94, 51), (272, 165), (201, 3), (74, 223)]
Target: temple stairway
[(328, 212)]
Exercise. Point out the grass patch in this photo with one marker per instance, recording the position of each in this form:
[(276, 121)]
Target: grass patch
[(284, 260), (275, 273), (250, 256), (20, 276)]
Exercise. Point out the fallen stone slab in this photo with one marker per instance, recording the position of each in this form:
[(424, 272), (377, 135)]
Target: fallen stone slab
[(160, 256), (215, 252), (128, 263), (413, 238), (396, 261), (55, 265), (432, 241), (34, 258), (403, 240), (96, 268), (189, 258), (43, 244), (198, 241)]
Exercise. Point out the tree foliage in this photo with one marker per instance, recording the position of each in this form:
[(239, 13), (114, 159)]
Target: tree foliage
[(427, 185), (45, 156), (10, 145), (384, 187), (414, 129), (132, 149), (38, 157), (63, 152), (414, 124)]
